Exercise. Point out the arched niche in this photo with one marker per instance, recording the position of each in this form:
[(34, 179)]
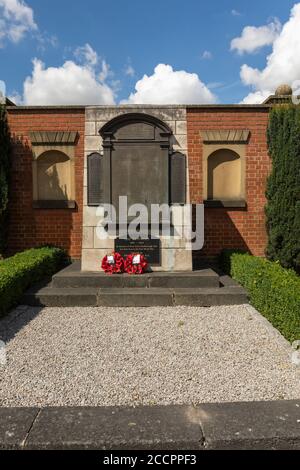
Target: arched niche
[(224, 175), (53, 179)]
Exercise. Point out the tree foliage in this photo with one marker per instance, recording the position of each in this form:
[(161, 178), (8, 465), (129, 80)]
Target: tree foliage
[(4, 174), (283, 187)]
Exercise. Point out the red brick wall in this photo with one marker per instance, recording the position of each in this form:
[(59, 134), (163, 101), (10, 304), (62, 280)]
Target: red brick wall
[(238, 228), (32, 227)]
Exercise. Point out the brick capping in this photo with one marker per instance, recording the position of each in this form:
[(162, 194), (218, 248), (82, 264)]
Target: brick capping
[(41, 108), (222, 426), (137, 106)]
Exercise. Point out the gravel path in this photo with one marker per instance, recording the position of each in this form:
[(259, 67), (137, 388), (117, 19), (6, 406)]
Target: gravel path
[(117, 356)]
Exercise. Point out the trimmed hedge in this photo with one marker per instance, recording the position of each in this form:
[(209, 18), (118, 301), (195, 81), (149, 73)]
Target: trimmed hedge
[(225, 259), (274, 291), (24, 269)]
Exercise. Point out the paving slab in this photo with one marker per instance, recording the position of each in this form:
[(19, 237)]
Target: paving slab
[(258, 425), (152, 428), (217, 426), (15, 424)]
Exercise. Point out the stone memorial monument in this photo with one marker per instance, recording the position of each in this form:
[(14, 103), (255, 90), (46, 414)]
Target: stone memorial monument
[(137, 154)]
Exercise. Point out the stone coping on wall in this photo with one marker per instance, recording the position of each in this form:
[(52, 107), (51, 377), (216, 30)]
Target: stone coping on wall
[(142, 106), (223, 426)]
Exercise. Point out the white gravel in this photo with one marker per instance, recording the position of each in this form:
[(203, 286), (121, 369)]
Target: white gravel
[(118, 356)]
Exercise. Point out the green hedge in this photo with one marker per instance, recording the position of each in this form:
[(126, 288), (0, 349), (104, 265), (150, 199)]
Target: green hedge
[(225, 259), (24, 269), (274, 291)]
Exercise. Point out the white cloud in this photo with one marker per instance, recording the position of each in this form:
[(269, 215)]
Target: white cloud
[(69, 84), (235, 13), (206, 55), (45, 39), (16, 98), (86, 54), (254, 38), (2, 92), (105, 71), (213, 85), (282, 65), (167, 86), (129, 70), (256, 97), (17, 19)]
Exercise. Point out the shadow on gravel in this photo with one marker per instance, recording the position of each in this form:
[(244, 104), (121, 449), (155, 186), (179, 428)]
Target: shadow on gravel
[(21, 315), (16, 320)]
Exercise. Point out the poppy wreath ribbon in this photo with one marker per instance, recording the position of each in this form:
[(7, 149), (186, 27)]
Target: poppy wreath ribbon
[(135, 263), (112, 264)]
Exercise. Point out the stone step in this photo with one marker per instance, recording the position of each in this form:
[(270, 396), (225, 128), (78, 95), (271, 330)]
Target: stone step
[(66, 297), (134, 297), (211, 297), (202, 297), (70, 278)]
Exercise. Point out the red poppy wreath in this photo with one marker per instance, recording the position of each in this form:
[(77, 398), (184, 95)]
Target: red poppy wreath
[(135, 263), (113, 263)]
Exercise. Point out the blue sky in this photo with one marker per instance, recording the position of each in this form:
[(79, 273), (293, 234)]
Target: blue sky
[(112, 45)]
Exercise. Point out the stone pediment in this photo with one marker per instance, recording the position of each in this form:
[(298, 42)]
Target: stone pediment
[(53, 137), (44, 141), (236, 136)]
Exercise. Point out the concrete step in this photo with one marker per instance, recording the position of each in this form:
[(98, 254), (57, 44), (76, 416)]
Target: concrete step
[(73, 278), (211, 297), (203, 297), (66, 297), (203, 278), (134, 297)]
